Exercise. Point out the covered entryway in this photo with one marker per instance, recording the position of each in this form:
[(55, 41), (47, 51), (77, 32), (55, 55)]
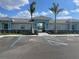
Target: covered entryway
[(41, 26)]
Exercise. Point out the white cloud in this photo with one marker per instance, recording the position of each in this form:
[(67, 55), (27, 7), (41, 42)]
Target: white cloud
[(44, 13), (65, 12), (36, 14), (50, 12), (23, 14), (76, 2), (3, 15), (12, 4), (62, 15), (26, 14), (65, 17), (40, 14), (75, 10)]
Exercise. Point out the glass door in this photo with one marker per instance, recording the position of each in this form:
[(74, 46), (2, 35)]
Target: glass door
[(40, 26)]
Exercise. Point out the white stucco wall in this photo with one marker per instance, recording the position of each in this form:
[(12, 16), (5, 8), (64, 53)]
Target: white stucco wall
[(50, 27), (58, 27), (77, 26), (61, 27), (0, 26), (18, 26)]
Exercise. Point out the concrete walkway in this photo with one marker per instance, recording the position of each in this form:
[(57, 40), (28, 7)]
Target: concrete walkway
[(43, 34), (46, 34)]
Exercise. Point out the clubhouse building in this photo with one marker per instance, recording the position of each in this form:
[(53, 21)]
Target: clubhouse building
[(39, 24)]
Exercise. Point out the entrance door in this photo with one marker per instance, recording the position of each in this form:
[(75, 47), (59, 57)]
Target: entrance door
[(41, 27)]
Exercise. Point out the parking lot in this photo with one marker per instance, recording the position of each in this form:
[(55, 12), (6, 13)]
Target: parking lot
[(39, 47)]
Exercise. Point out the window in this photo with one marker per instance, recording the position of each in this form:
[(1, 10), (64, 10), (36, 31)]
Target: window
[(23, 27), (73, 27), (5, 26)]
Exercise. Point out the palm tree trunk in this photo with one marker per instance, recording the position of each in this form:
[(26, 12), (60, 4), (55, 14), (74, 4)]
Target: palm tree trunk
[(55, 25), (32, 29)]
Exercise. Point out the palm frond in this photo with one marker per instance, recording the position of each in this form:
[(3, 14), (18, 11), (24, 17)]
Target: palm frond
[(59, 10), (55, 8), (32, 8)]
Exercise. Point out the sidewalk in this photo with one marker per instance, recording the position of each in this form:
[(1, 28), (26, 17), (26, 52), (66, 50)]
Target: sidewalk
[(1, 36), (46, 34), (42, 34), (64, 35)]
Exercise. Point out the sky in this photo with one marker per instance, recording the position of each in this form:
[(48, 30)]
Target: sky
[(19, 8)]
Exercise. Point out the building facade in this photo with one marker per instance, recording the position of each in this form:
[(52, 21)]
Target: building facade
[(40, 24)]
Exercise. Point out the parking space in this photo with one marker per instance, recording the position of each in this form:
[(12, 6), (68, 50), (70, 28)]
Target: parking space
[(5, 42), (39, 47)]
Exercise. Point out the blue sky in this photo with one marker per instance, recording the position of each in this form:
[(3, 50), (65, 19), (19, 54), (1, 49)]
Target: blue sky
[(19, 8)]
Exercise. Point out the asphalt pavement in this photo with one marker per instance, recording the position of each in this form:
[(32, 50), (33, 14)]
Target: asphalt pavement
[(39, 47)]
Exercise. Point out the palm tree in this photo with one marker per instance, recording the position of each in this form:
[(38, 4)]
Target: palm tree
[(32, 10), (55, 9)]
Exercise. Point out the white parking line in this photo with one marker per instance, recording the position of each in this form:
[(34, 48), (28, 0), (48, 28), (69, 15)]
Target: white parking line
[(53, 42), (57, 43), (13, 44)]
